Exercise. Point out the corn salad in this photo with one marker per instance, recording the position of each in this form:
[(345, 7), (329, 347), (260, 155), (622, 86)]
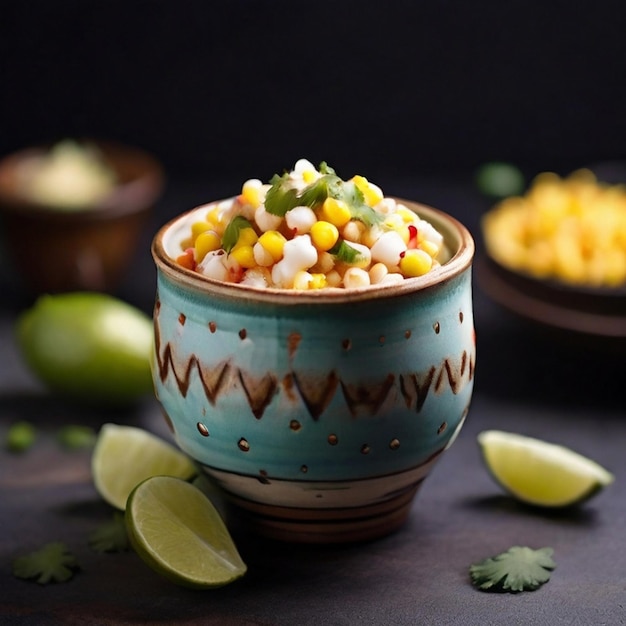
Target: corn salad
[(309, 229), (570, 229)]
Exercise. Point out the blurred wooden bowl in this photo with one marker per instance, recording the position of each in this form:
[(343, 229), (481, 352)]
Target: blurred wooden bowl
[(57, 250)]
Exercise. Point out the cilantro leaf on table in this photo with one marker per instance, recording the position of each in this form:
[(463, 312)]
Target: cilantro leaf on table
[(110, 536), (76, 437), (20, 436), (517, 569), (51, 564)]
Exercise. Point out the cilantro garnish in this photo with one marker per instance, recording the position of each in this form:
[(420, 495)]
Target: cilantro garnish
[(517, 569), (282, 196), (20, 436), (75, 437), (231, 233), (53, 563), (345, 252), (110, 536)]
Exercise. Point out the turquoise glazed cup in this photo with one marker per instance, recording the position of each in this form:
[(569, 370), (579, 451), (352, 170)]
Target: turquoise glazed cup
[(318, 413)]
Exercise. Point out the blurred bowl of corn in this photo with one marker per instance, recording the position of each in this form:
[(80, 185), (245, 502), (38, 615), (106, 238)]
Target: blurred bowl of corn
[(557, 253), (72, 212)]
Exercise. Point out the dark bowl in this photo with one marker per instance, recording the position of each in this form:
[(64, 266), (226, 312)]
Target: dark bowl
[(54, 250), (591, 311)]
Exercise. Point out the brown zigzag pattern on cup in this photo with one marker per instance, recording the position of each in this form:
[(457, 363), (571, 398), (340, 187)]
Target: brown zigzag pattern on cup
[(317, 391)]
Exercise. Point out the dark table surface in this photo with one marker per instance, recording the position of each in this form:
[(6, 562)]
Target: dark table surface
[(528, 380)]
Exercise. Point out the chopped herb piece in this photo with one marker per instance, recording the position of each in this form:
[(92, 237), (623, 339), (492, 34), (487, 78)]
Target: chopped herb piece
[(75, 437), (110, 536), (20, 436), (282, 196), (53, 563), (231, 234), (345, 252), (517, 569)]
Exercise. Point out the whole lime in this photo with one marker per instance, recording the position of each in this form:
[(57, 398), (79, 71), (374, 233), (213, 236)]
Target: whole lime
[(88, 345)]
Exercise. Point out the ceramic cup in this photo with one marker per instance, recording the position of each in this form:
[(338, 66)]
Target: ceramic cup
[(319, 413)]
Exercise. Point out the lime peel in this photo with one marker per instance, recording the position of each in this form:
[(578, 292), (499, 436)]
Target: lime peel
[(124, 456), (178, 532), (541, 473)]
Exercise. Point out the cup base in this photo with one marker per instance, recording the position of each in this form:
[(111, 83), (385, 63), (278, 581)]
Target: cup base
[(323, 526)]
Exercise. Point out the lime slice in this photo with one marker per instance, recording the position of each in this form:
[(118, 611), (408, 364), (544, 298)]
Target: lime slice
[(124, 456), (176, 530), (541, 473)]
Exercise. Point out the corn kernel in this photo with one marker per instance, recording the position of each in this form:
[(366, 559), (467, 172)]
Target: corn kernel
[(318, 281), (324, 235), (333, 279), (251, 192), (353, 231), (377, 273), (372, 193), (274, 243), (415, 262), (336, 212), (200, 227), (302, 280), (432, 249), (407, 215), (247, 237), (308, 176), (355, 277), (206, 242), (244, 255)]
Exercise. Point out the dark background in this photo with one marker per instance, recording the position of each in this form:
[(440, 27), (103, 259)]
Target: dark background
[(243, 88)]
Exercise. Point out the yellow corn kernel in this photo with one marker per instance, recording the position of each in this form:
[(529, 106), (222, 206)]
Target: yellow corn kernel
[(251, 192), (308, 176), (318, 281), (302, 280), (215, 219), (336, 212), (274, 243), (206, 242), (432, 249), (247, 237), (377, 273), (200, 227), (394, 222), (244, 255), (324, 235), (415, 262), (371, 193), (406, 214)]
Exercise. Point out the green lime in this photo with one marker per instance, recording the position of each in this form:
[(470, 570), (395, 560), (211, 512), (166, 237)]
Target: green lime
[(124, 456), (541, 473), (88, 345), (178, 532), (500, 179)]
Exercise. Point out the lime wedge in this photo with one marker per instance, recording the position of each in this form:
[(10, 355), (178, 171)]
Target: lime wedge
[(176, 530), (541, 473), (124, 456)]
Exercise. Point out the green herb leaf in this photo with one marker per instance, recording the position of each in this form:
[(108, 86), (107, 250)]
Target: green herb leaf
[(231, 233), (20, 436), (345, 252), (110, 536), (324, 168), (51, 564), (75, 437), (517, 569), (281, 196)]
